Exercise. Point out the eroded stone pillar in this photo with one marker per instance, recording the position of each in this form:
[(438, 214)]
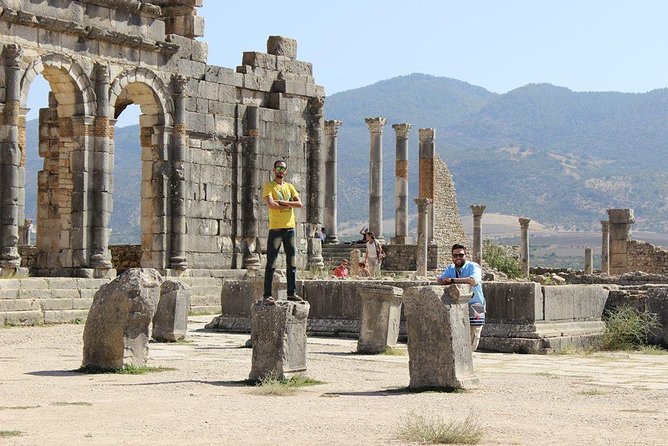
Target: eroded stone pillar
[(278, 337), (423, 205), (439, 339), (331, 132), (620, 233), (524, 245), (315, 180), (103, 161), (10, 158), (379, 321), (177, 258), (376, 176), (401, 185), (477, 210), (250, 259), (589, 261), (426, 175), (605, 247)]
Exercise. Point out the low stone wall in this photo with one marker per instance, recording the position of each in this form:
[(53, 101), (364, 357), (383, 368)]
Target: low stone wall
[(650, 298), (125, 257), (637, 278), (28, 255), (402, 257), (643, 256)]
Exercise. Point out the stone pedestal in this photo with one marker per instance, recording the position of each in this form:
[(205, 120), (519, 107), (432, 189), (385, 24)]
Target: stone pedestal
[(589, 261), (379, 321), (439, 341), (278, 336), (170, 321)]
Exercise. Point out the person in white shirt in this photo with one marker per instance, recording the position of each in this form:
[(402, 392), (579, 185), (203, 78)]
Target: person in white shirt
[(374, 254)]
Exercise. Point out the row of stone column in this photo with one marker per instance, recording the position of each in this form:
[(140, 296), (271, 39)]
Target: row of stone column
[(426, 177)]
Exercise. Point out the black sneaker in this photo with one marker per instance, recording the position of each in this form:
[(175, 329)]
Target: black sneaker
[(268, 300), (295, 298)]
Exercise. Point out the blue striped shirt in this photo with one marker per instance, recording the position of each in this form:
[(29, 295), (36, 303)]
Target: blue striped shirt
[(477, 303)]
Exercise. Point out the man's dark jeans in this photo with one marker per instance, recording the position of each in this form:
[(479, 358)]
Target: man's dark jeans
[(276, 237)]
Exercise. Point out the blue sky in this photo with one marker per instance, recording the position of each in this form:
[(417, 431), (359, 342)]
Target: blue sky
[(585, 45)]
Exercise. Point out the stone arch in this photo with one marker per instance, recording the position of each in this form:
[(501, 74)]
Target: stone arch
[(144, 88), (64, 146)]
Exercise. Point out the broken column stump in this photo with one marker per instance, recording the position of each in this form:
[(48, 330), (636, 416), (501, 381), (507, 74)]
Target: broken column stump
[(170, 321), (439, 340), (278, 336), (379, 321)]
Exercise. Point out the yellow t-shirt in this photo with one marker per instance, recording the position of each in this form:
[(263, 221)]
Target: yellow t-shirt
[(280, 218)]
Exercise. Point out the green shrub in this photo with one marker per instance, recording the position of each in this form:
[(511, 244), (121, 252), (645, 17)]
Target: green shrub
[(500, 259), (626, 328)]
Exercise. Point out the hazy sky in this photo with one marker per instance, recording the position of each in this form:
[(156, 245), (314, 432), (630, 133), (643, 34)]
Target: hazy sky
[(497, 44)]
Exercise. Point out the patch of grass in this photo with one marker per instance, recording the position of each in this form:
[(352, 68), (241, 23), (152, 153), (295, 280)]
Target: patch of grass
[(626, 328), (74, 403), (283, 387), (592, 392), (395, 351), (126, 370), (18, 407), (652, 350), (420, 429), (8, 434)]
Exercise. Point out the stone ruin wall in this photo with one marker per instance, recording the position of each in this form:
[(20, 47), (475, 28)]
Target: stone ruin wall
[(645, 257), (448, 227), (197, 138)]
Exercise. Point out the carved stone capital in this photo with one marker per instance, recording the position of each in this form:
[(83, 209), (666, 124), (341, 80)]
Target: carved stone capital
[(375, 124), (12, 54), (101, 72), (422, 204), (478, 209), (524, 222), (315, 105), (402, 129), (427, 135), (332, 127), (179, 84)]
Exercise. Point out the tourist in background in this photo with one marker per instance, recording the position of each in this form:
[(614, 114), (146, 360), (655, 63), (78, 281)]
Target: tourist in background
[(462, 271), (374, 254), (342, 270)]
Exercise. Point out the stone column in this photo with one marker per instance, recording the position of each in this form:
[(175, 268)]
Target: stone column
[(380, 317), (426, 175), (524, 245), (103, 162), (376, 176), (278, 337), (620, 233), (401, 185), (10, 159), (315, 181), (605, 247), (477, 210), (589, 261), (439, 339), (331, 132), (250, 259), (422, 231), (177, 257)]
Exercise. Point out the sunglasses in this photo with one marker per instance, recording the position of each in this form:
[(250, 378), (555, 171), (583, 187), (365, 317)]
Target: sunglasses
[(458, 255), (281, 168)]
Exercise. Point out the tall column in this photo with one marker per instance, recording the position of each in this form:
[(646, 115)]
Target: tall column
[(100, 258), (422, 232), (10, 157), (620, 233), (589, 261), (401, 185), (477, 210), (331, 133), (177, 257), (250, 259), (426, 175), (605, 247), (524, 245), (376, 176), (315, 183)]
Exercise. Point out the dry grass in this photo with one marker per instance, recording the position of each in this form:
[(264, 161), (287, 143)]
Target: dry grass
[(592, 392), (8, 434), (420, 429), (283, 387), (395, 351)]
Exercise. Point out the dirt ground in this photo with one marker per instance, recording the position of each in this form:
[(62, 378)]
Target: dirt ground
[(601, 399)]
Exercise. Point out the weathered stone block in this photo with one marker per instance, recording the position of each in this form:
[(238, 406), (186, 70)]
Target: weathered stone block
[(278, 337), (170, 321), (439, 343), (282, 46), (380, 318), (574, 302), (513, 301)]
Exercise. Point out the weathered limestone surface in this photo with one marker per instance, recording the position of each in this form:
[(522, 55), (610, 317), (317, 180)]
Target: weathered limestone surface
[(278, 337), (117, 328), (170, 321), (657, 303), (380, 318), (439, 343)]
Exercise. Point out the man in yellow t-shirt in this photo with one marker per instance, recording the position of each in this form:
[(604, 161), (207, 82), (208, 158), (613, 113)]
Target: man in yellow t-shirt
[(281, 198)]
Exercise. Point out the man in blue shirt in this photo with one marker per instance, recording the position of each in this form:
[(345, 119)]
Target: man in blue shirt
[(461, 271)]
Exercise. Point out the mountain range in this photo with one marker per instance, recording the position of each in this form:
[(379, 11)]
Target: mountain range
[(557, 156)]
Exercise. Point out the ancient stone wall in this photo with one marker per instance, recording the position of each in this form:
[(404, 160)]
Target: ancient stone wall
[(402, 257), (645, 257), (125, 256), (448, 227), (201, 147)]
